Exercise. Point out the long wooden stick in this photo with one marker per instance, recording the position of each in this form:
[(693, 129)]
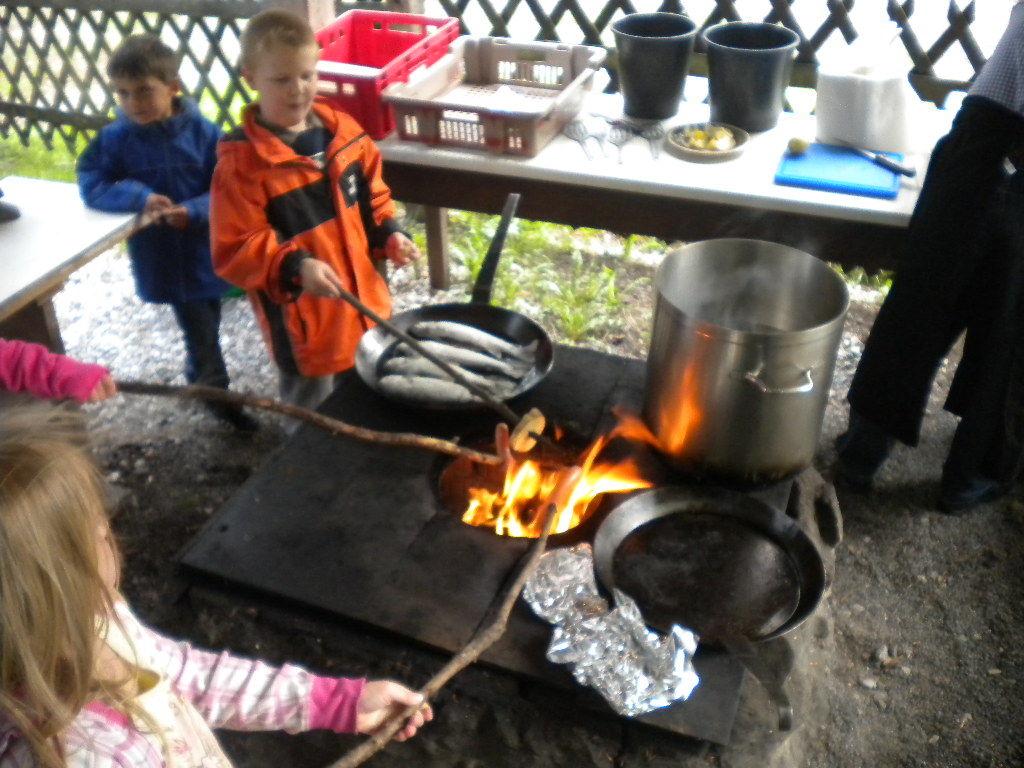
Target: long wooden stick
[(480, 642), (405, 439)]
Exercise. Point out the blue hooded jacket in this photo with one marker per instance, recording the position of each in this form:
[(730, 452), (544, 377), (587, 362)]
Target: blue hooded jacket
[(126, 163)]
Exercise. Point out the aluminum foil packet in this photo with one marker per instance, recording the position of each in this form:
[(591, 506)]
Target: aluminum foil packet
[(609, 649)]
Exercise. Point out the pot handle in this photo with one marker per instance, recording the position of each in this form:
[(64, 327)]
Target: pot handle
[(771, 673), (485, 277), (754, 377)]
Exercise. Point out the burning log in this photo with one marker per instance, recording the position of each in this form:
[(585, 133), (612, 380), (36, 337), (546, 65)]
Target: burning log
[(480, 642), (406, 439), (511, 498)]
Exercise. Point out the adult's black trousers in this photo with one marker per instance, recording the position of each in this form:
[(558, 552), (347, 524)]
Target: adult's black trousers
[(940, 277)]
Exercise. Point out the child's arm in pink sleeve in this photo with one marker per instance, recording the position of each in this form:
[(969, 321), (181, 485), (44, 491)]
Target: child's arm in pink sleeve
[(332, 703), (34, 369), (246, 694)]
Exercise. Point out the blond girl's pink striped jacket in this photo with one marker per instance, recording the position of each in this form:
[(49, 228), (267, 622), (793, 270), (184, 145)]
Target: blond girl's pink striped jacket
[(218, 690)]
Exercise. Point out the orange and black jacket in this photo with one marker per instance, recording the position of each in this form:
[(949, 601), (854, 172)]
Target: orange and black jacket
[(270, 208)]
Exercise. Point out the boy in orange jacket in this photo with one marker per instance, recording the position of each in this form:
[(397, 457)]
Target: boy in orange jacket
[(299, 209)]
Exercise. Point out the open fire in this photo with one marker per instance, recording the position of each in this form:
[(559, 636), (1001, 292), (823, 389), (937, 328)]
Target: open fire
[(514, 506)]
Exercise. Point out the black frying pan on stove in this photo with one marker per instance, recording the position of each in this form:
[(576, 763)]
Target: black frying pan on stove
[(377, 344), (720, 563)]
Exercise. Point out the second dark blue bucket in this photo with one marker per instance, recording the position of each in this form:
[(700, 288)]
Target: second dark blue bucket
[(749, 64)]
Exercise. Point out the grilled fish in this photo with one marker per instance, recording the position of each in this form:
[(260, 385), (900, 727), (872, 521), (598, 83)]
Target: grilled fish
[(468, 358), (497, 385), (426, 390), (474, 338)]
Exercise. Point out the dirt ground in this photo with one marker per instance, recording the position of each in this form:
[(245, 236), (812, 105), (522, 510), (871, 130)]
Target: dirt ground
[(914, 659)]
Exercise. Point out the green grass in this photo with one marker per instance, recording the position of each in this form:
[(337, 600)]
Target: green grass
[(881, 281), (545, 271), (36, 160), (585, 299), (553, 272)]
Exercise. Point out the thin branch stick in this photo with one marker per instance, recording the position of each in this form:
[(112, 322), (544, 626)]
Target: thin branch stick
[(480, 642), (405, 439)]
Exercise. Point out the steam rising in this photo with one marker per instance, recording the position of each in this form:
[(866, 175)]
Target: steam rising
[(750, 286)]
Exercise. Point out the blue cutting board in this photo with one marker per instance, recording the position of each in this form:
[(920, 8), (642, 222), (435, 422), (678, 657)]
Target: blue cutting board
[(838, 169)]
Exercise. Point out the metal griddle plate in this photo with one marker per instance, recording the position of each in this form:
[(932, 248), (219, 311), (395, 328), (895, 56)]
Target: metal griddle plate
[(349, 530)]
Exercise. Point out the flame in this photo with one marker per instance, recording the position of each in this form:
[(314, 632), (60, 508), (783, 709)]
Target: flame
[(683, 415), (518, 508)]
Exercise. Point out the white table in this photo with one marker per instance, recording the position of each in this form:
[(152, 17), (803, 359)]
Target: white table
[(55, 235), (666, 197)]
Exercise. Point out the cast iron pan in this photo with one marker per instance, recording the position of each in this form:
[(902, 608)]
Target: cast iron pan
[(718, 562), (377, 344)]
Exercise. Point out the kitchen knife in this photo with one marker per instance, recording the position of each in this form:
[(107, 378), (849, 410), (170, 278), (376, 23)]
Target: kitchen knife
[(885, 161)]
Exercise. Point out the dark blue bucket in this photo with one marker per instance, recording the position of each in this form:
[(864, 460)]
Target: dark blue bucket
[(749, 64), (654, 53)]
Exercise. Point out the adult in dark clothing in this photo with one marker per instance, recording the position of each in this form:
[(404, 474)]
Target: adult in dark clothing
[(943, 287), (988, 389)]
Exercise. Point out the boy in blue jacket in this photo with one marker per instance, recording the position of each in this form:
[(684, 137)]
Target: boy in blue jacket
[(157, 158)]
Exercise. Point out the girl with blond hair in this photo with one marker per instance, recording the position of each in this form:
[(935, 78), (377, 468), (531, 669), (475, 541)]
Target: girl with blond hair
[(83, 682)]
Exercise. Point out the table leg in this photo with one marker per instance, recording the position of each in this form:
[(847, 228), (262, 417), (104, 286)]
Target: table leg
[(436, 221), (35, 322)]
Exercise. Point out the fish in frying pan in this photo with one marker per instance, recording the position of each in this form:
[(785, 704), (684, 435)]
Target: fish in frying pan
[(472, 337), (468, 358), (426, 389), (414, 365), (488, 361)]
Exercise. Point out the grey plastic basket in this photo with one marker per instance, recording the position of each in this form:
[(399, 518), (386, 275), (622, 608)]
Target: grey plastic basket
[(496, 94)]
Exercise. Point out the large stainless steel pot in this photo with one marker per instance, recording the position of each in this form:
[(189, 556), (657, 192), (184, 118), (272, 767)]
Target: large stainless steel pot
[(742, 354)]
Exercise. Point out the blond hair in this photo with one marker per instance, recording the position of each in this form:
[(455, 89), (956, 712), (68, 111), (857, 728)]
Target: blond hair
[(52, 500), (272, 29)]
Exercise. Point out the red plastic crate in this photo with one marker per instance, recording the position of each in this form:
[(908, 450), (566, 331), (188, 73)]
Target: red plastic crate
[(365, 51)]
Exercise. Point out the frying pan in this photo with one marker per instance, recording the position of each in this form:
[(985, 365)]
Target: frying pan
[(377, 344), (721, 563)]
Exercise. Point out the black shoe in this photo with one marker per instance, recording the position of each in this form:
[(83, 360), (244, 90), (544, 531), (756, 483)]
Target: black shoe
[(862, 449), (234, 416), (964, 494), (8, 212)]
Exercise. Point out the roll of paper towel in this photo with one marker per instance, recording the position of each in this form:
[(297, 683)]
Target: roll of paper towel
[(864, 97), (866, 108)]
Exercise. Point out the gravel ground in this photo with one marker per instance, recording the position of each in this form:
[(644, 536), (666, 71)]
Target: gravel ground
[(915, 659)]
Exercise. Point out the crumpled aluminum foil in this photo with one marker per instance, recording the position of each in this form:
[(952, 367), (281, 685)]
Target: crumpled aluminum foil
[(609, 649)]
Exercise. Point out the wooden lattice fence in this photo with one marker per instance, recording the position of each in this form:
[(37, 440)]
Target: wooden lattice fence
[(53, 52), (817, 23)]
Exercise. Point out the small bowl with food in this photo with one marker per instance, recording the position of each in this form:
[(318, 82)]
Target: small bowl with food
[(706, 142)]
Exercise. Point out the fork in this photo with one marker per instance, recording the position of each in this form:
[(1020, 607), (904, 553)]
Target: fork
[(654, 134), (577, 131), (618, 136), (599, 132)]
